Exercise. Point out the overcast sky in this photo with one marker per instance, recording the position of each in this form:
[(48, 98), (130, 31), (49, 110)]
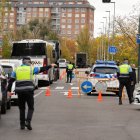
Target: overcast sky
[(123, 7)]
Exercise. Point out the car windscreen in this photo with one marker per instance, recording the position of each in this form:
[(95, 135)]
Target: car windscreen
[(105, 70), (7, 69), (62, 61), (28, 49)]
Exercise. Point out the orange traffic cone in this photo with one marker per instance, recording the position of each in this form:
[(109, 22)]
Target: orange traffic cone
[(69, 93), (48, 93), (100, 96)]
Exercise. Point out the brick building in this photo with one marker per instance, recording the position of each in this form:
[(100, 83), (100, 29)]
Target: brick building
[(68, 17)]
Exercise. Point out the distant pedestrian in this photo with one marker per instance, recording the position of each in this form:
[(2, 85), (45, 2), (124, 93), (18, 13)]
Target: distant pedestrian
[(69, 70), (133, 83), (124, 76)]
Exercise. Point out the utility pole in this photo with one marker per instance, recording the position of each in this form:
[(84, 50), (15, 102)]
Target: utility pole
[(139, 53)]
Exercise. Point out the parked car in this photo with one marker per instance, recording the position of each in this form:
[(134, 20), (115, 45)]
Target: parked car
[(62, 63), (105, 71), (6, 99)]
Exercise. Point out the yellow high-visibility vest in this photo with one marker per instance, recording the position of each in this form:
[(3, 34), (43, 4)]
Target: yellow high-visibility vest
[(70, 66), (24, 73), (124, 69)]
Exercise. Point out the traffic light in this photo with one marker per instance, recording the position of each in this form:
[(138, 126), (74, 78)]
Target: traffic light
[(106, 1)]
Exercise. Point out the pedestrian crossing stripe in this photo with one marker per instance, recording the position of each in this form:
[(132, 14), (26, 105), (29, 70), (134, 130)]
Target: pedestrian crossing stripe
[(59, 88)]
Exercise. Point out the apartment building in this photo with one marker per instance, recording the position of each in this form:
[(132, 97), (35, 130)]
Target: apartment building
[(68, 17)]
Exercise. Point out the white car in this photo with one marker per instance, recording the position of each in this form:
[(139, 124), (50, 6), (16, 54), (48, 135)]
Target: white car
[(8, 68), (62, 63), (105, 71)]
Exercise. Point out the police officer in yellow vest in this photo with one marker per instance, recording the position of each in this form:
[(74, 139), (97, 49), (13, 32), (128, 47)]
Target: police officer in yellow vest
[(125, 79), (23, 75), (69, 70)]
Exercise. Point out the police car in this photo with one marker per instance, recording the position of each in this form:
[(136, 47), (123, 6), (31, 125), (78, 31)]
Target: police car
[(104, 71)]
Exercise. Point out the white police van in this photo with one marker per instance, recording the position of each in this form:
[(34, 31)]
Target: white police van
[(104, 71)]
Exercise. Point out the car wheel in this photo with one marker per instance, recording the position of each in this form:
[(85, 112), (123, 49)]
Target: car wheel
[(9, 104)]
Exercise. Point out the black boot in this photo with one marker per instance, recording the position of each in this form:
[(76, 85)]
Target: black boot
[(120, 101), (131, 101), (22, 126), (28, 125)]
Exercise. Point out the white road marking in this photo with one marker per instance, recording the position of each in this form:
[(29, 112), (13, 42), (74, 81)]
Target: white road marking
[(74, 87), (59, 88), (66, 93), (38, 94)]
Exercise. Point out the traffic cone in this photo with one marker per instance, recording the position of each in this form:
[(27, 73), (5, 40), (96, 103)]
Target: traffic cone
[(100, 96), (48, 93), (69, 93)]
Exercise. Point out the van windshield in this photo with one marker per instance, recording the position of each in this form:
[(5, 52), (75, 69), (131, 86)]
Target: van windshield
[(105, 70), (62, 61), (28, 49)]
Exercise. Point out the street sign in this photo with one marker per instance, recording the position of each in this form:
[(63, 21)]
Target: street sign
[(112, 49), (86, 86), (138, 38), (101, 86)]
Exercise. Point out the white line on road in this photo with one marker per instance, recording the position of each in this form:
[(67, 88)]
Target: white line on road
[(59, 88), (38, 94)]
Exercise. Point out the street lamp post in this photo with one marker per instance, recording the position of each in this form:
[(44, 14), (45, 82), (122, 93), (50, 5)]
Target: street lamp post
[(139, 53), (103, 42), (100, 47), (105, 38), (108, 35)]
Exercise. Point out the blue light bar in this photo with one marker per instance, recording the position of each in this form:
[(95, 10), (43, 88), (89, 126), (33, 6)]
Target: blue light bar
[(105, 62)]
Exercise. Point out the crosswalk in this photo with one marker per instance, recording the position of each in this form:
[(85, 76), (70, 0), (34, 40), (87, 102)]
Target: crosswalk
[(60, 88)]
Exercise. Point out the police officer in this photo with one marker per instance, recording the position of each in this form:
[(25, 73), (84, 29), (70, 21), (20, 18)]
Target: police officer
[(69, 70), (24, 88), (124, 77)]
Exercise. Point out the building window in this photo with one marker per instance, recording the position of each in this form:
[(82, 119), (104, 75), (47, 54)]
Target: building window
[(46, 9), (40, 9), (68, 32), (77, 9), (79, 2), (76, 20), (29, 9), (34, 9), (69, 26), (63, 26), (63, 32), (82, 20), (69, 21), (83, 9), (63, 20), (82, 15), (63, 15), (69, 15), (63, 9), (76, 15), (71, 3), (36, 2), (76, 26), (76, 32), (69, 9)]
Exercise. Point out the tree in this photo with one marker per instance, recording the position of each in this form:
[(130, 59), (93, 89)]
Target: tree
[(6, 47)]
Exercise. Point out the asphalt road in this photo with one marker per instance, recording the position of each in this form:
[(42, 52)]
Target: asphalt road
[(80, 118)]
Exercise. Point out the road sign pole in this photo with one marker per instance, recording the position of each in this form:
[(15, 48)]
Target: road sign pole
[(139, 54)]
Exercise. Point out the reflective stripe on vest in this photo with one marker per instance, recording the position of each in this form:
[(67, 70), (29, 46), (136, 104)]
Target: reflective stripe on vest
[(124, 69), (70, 66)]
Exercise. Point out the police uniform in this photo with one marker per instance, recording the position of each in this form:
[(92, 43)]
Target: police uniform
[(124, 77), (25, 90), (69, 72)]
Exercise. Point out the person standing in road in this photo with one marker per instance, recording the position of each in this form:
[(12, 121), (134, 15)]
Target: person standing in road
[(133, 83), (69, 70), (124, 76), (24, 88)]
